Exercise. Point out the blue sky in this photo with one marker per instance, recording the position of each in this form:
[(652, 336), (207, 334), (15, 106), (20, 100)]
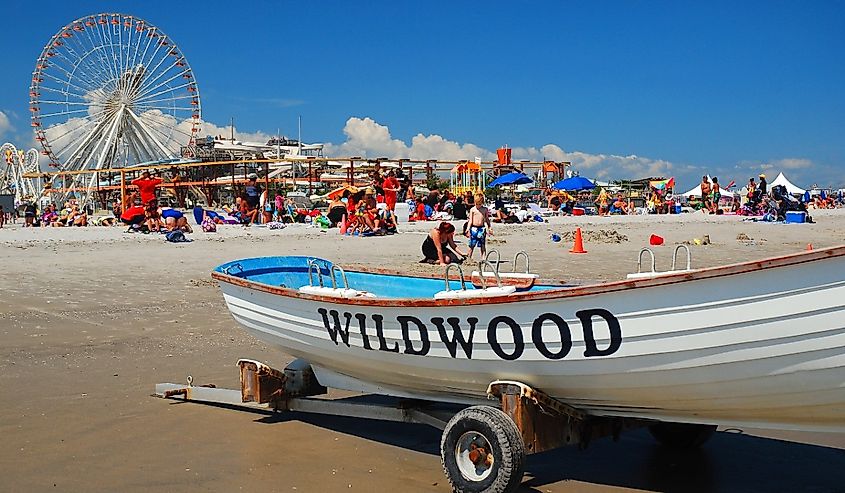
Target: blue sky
[(623, 89)]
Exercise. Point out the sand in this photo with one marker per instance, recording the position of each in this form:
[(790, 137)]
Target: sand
[(91, 319)]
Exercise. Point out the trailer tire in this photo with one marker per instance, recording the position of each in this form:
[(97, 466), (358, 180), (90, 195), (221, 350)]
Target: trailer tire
[(681, 435), (498, 467)]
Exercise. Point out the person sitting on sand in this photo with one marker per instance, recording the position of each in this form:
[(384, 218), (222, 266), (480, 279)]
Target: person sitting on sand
[(419, 210), (77, 217), (479, 226), (439, 246), (619, 206), (152, 219), (252, 196), (49, 216)]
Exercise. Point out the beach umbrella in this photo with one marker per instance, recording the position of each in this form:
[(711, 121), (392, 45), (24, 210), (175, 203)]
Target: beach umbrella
[(512, 178), (806, 197), (574, 183)]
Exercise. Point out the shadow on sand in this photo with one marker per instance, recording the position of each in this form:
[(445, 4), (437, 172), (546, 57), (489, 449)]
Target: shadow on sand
[(727, 463)]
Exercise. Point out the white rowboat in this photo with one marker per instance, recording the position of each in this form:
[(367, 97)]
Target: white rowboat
[(757, 344)]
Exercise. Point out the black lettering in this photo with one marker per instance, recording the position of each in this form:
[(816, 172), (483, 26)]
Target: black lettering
[(382, 342), (562, 327), (591, 349), (406, 335), (457, 335), (492, 337), (334, 331), (362, 324)]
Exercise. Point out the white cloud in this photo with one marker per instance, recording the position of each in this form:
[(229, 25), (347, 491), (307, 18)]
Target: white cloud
[(368, 138), (5, 124), (791, 163)]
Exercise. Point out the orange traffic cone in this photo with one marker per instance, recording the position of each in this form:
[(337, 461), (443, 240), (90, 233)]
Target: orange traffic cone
[(579, 243), (343, 225), (809, 247)]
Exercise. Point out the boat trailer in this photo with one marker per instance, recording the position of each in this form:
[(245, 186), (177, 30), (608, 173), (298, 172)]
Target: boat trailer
[(482, 447)]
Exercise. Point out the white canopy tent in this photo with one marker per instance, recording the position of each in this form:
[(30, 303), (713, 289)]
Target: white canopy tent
[(790, 188), (696, 192)]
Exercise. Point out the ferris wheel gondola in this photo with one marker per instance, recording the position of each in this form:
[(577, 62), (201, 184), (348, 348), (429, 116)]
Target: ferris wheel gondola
[(111, 90)]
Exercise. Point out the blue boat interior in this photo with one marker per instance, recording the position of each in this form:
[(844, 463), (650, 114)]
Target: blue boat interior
[(293, 272)]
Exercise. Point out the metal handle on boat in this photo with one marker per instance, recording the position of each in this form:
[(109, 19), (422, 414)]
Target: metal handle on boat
[(498, 258), (522, 253), (461, 272), (495, 273), (228, 270), (311, 266), (640, 260), (675, 256), (342, 276)]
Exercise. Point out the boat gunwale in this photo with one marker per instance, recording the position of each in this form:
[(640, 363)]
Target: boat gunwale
[(550, 294)]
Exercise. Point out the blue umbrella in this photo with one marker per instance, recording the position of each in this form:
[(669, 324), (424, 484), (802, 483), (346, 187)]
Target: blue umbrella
[(806, 197), (512, 178), (575, 183)]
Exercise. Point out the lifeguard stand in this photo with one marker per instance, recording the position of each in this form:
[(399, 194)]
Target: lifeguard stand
[(552, 171), (466, 176), (503, 161)]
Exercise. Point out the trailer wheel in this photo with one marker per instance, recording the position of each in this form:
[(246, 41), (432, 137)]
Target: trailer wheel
[(482, 451), (682, 435)]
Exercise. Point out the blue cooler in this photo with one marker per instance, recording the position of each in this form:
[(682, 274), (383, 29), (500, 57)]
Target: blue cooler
[(796, 217)]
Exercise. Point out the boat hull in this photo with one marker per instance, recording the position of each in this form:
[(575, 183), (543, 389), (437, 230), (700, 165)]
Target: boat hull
[(761, 346)]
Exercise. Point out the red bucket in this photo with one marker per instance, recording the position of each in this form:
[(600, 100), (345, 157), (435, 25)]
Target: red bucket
[(577, 211), (655, 240)]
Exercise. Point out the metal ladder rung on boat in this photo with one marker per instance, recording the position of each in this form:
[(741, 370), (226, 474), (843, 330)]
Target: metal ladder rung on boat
[(334, 290), (464, 293), (654, 273)]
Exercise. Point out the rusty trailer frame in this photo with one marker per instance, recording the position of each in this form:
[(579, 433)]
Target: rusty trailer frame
[(539, 421)]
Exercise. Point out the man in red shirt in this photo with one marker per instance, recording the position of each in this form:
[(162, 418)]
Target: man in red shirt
[(147, 187), (390, 186)]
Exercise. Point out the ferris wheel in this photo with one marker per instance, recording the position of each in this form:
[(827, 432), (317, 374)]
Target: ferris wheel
[(111, 90), (14, 164)]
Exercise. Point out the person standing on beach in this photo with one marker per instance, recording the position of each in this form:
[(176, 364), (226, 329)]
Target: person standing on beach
[(479, 226), (705, 194), (391, 189), (147, 187), (717, 194)]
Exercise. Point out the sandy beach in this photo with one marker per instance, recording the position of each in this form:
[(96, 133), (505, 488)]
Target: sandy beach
[(91, 318)]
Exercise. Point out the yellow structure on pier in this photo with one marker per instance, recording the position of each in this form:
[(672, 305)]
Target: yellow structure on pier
[(466, 176)]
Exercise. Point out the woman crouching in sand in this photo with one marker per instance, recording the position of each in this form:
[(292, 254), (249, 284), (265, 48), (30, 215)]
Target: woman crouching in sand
[(439, 246)]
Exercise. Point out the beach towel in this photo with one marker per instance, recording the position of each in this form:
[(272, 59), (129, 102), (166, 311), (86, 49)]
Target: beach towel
[(176, 236)]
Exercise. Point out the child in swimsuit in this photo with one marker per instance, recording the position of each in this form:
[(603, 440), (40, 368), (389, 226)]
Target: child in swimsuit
[(479, 226)]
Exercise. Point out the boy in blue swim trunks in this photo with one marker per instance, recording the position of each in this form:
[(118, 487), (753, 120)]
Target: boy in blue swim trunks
[(479, 226)]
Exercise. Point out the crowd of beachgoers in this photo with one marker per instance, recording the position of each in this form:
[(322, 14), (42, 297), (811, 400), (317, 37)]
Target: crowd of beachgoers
[(371, 210)]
